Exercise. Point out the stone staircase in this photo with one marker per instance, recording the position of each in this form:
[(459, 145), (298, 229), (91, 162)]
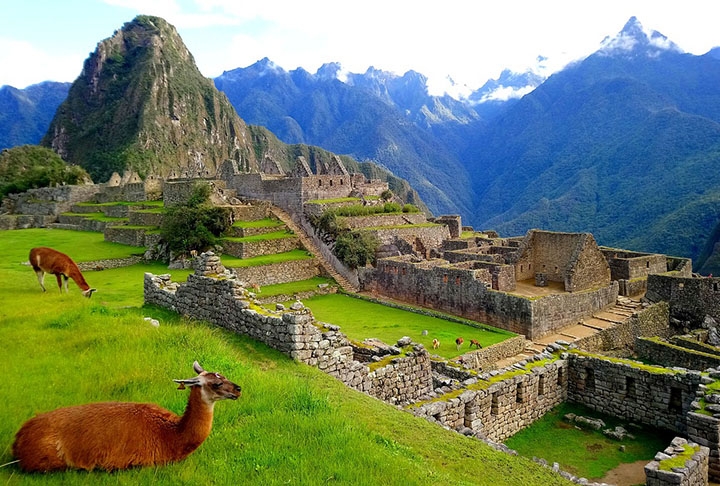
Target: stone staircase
[(310, 245), (611, 316)]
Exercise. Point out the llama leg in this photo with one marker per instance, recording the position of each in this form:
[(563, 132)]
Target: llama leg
[(58, 276), (41, 278), (65, 283)]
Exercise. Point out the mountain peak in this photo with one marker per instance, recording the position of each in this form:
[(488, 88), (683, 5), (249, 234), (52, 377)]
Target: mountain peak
[(635, 40)]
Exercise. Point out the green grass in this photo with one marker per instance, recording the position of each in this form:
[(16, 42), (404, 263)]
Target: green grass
[(230, 261), (335, 200), (293, 424), (360, 319), (98, 217), (291, 288), (586, 453), (158, 203)]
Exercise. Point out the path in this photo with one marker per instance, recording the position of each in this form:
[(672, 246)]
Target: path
[(310, 245)]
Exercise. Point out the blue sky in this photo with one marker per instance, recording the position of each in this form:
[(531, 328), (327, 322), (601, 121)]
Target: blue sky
[(469, 41)]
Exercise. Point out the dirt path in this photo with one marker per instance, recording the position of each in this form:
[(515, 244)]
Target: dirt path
[(629, 474)]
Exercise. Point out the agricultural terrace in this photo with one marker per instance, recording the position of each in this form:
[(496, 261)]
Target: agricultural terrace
[(293, 424)]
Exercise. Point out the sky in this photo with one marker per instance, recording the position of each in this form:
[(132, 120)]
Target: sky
[(466, 41)]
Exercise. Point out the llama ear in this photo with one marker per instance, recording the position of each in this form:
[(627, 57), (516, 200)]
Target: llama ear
[(198, 369), (188, 382)]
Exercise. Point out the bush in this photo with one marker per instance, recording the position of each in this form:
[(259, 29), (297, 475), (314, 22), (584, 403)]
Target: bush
[(355, 249), (32, 166), (195, 225)]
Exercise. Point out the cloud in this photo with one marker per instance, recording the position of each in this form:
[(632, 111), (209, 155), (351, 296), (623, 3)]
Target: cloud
[(36, 64)]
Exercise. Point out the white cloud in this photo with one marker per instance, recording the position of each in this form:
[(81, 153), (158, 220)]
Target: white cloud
[(24, 64)]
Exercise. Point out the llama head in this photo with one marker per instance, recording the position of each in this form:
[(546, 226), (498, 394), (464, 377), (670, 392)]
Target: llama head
[(214, 386)]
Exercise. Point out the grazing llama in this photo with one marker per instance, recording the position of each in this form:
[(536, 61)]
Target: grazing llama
[(436, 343), (458, 342), (120, 435), (46, 260), (476, 343)]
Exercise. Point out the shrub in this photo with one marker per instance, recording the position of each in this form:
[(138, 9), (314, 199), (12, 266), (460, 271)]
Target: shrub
[(196, 224), (32, 166), (355, 249)]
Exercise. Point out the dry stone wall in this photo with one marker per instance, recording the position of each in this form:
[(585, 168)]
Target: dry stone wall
[(667, 354), (648, 395), (691, 298), (498, 408), (693, 472), (216, 295), (276, 273)]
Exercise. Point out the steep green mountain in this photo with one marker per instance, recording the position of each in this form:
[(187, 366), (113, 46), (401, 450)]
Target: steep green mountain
[(355, 119), (25, 114), (141, 103), (624, 144)]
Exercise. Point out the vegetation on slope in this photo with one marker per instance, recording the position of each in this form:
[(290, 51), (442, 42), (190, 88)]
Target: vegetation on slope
[(32, 166), (293, 424)]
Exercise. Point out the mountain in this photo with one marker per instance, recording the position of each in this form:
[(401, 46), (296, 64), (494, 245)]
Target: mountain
[(141, 103), (25, 114), (624, 144), (376, 116)]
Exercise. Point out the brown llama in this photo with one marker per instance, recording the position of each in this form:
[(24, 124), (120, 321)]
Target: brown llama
[(120, 435), (46, 260)]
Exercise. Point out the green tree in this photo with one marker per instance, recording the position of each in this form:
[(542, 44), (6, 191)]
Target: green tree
[(31, 166), (355, 248), (196, 224)]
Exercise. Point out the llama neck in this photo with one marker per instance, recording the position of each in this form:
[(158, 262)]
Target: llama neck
[(75, 274), (196, 422)]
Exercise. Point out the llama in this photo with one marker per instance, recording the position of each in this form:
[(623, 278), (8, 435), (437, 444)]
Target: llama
[(46, 260), (120, 435), (436, 343), (458, 342), (476, 343)]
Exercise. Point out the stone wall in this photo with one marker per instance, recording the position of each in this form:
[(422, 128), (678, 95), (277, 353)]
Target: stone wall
[(126, 236), (643, 394), (145, 218), (705, 430), (571, 258), (416, 238), (499, 409), (555, 311), (692, 342), (650, 321), (277, 273), (465, 292), (693, 471), (355, 222), (691, 299), (250, 249), (48, 201), (217, 296), (485, 359), (629, 265), (668, 354)]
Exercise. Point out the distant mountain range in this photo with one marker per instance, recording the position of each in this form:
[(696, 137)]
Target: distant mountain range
[(624, 143)]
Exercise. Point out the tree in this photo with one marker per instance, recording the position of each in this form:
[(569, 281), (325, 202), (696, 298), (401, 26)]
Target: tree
[(355, 248), (196, 224)]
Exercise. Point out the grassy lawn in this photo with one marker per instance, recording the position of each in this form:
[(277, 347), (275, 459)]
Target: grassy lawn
[(586, 453), (291, 288), (230, 261), (360, 319), (293, 424)]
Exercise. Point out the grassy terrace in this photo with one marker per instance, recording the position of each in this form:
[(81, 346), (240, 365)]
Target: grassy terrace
[(98, 216), (360, 319), (275, 235), (292, 425), (158, 204), (233, 262)]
